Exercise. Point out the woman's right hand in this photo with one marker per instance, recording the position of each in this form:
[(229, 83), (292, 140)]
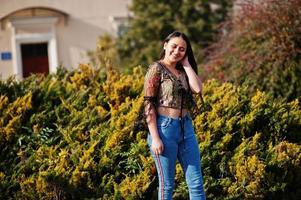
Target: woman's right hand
[(157, 146)]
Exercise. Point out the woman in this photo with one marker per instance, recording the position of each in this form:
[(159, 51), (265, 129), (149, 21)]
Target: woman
[(168, 87)]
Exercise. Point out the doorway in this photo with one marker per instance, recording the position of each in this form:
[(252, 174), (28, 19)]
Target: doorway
[(35, 59)]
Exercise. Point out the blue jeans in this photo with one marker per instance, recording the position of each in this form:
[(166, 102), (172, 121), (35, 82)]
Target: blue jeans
[(185, 149)]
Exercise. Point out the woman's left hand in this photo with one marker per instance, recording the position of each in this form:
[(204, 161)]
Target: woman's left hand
[(194, 80), (185, 61)]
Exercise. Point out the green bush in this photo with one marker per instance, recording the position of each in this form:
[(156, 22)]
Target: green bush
[(70, 136), (153, 20), (260, 46)]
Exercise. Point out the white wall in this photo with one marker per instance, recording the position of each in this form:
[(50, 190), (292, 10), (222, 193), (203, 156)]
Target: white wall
[(87, 20)]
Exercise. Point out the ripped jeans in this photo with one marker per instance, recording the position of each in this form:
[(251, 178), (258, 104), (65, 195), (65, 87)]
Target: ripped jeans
[(185, 149)]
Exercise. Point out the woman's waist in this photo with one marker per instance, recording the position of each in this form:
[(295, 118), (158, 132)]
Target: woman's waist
[(171, 112), (174, 102)]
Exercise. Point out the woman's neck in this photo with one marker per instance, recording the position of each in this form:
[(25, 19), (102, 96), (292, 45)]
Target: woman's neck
[(168, 63)]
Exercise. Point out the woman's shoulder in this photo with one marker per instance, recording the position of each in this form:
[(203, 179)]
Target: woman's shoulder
[(153, 74), (155, 67)]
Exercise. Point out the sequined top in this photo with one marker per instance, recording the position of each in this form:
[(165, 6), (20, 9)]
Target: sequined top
[(163, 88)]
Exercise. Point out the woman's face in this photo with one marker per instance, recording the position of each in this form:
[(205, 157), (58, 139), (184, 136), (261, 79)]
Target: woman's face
[(175, 49)]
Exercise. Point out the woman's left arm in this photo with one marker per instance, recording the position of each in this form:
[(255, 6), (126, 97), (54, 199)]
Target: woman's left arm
[(194, 80)]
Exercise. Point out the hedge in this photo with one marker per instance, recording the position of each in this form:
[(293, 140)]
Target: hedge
[(70, 135)]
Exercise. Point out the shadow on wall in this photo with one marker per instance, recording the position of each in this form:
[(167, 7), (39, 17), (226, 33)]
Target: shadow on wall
[(75, 39)]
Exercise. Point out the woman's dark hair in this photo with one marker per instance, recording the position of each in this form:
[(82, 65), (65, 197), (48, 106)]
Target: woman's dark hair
[(189, 51)]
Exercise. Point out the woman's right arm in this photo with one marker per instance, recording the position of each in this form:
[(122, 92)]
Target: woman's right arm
[(157, 145), (151, 87)]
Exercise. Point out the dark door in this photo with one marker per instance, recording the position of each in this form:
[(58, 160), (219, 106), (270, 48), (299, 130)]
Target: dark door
[(35, 58)]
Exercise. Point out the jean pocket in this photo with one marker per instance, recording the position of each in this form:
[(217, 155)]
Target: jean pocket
[(163, 122)]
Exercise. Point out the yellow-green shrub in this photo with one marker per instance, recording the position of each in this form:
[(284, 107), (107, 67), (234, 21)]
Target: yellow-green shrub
[(71, 137)]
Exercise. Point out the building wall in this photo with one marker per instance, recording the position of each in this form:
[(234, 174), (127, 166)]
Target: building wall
[(5, 46), (86, 21)]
